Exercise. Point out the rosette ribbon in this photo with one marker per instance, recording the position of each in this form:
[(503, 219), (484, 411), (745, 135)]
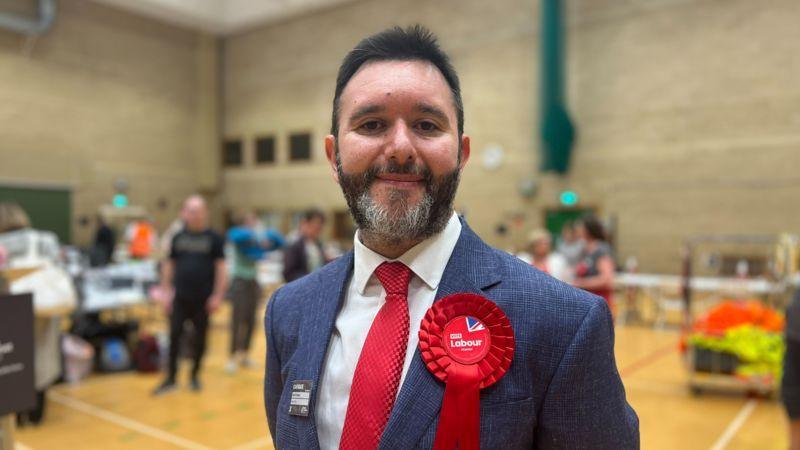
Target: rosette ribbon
[(465, 366)]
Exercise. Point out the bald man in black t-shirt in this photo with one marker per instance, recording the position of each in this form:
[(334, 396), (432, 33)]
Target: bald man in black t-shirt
[(195, 271)]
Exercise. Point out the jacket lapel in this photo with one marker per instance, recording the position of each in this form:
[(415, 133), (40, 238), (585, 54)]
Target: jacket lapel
[(472, 268), (316, 335)]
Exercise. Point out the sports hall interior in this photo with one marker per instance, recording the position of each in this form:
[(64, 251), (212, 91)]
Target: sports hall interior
[(686, 146)]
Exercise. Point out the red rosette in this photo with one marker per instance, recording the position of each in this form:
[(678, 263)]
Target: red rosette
[(431, 343), (467, 342)]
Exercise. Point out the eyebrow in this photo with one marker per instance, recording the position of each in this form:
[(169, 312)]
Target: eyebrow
[(365, 111), (424, 108), (432, 110)]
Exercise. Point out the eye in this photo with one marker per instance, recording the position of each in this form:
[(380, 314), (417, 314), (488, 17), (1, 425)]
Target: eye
[(371, 126), (427, 126)]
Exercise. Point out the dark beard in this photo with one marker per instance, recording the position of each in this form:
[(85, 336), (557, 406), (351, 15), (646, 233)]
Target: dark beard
[(400, 223)]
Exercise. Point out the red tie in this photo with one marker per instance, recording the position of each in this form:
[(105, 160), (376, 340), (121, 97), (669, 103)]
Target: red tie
[(380, 364)]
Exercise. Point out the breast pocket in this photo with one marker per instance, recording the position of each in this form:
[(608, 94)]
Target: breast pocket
[(508, 425)]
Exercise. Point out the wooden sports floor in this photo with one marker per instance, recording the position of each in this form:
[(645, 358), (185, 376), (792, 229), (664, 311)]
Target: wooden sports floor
[(117, 412)]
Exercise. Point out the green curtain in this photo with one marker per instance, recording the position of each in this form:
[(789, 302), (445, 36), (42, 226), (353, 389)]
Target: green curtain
[(557, 130)]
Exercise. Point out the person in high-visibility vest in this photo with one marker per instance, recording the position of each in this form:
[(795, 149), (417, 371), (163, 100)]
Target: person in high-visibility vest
[(141, 238)]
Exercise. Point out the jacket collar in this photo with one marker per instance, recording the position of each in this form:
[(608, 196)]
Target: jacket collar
[(314, 339)]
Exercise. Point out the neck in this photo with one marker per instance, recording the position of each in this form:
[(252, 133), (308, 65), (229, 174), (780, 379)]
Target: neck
[(391, 250)]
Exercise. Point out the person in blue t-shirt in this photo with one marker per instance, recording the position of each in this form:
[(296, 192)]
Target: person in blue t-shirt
[(249, 247)]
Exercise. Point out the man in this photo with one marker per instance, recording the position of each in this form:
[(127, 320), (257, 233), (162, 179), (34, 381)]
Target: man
[(305, 255), (245, 293), (195, 273), (397, 149), (104, 242)]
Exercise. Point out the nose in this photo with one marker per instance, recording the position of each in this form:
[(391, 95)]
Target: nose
[(400, 145)]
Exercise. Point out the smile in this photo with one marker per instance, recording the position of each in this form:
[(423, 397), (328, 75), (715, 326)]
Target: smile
[(400, 180)]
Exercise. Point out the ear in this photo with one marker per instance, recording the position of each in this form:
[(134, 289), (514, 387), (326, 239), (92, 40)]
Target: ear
[(465, 151), (330, 153)]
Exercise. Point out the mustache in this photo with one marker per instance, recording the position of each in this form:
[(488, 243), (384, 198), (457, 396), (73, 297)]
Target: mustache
[(371, 174)]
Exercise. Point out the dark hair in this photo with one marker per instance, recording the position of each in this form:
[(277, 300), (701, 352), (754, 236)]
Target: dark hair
[(593, 227), (312, 214), (410, 44)]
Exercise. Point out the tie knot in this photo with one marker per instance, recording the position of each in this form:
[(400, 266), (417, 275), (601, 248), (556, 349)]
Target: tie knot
[(394, 276)]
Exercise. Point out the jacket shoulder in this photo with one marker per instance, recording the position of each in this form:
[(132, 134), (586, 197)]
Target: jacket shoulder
[(536, 298), (292, 295)]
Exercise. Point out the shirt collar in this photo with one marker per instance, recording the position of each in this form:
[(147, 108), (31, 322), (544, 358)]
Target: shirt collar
[(427, 259)]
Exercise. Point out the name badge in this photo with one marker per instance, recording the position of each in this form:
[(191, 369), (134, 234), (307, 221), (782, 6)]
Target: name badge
[(301, 398)]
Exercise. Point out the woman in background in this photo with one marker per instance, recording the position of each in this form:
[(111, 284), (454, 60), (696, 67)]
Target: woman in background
[(595, 270), (569, 245), (35, 248), (551, 263)]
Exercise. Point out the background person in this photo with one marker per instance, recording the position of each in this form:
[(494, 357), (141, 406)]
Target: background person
[(595, 270), (245, 292), (195, 272), (17, 237), (549, 262), (142, 238), (104, 241), (305, 254), (569, 245)]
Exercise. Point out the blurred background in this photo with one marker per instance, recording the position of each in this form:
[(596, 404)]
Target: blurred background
[(674, 123)]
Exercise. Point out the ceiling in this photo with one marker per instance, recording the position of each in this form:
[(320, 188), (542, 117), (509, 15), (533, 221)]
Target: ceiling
[(220, 16)]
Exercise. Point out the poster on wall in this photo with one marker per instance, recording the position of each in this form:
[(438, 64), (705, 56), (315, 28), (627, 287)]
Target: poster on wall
[(16, 354)]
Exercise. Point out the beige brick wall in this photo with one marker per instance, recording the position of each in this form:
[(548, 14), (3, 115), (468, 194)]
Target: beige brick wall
[(688, 112), (107, 95), (281, 78), (689, 115)]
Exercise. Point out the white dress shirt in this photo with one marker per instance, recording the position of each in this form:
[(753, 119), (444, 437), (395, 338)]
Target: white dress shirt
[(365, 296)]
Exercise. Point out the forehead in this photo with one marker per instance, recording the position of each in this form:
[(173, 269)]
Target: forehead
[(381, 82), (195, 206)]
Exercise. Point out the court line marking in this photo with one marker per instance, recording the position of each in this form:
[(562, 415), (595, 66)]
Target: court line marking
[(735, 425), (647, 359), (20, 446), (99, 380), (125, 422), (258, 443)]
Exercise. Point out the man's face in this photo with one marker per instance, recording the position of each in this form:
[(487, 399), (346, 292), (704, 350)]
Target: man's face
[(250, 220), (312, 228), (397, 152), (195, 214)]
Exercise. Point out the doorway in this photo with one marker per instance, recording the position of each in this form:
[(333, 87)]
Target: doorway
[(555, 219)]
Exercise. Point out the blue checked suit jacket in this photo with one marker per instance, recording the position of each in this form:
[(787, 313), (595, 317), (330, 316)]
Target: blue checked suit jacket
[(562, 391)]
